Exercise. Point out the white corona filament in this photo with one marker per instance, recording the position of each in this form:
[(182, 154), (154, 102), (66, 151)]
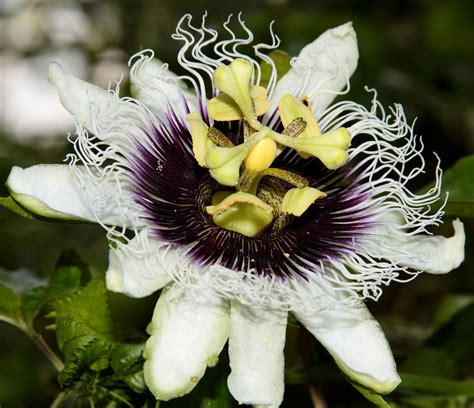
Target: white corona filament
[(385, 148)]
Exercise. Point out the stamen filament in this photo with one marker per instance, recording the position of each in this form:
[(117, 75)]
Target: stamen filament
[(285, 175), (217, 137)]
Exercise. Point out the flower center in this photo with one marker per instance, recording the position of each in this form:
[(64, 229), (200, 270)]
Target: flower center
[(253, 196)]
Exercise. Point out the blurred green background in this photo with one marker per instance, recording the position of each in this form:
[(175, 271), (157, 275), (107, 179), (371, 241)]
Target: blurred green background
[(419, 53)]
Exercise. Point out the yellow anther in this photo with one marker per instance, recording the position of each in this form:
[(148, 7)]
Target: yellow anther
[(330, 148), (201, 142), (234, 80), (224, 162), (223, 107), (262, 155), (285, 175), (241, 212), (298, 200), (260, 99)]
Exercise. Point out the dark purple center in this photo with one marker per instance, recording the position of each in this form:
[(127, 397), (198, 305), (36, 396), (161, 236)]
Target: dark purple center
[(174, 191)]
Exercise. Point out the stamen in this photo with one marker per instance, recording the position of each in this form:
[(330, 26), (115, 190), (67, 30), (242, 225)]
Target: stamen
[(272, 193), (247, 130), (298, 200), (285, 175), (290, 109), (224, 162), (234, 80), (224, 108), (330, 148), (199, 135), (248, 181), (217, 137)]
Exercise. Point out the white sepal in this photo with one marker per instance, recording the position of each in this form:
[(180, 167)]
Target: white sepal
[(356, 342), (256, 342), (59, 191), (87, 102), (49, 190), (433, 254), (141, 267), (322, 69), (187, 335)]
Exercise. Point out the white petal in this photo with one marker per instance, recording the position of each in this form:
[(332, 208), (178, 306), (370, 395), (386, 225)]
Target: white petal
[(322, 68), (54, 191), (87, 102), (187, 335), (357, 344), (141, 267), (159, 88), (256, 342), (433, 254), (49, 190)]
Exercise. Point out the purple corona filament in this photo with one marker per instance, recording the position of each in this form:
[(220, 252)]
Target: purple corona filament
[(174, 190)]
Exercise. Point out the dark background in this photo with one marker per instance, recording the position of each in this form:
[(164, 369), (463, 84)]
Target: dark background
[(417, 53)]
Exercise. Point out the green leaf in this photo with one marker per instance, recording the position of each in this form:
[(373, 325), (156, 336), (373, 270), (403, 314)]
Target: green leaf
[(428, 401), (21, 297), (87, 334), (125, 357), (127, 362), (136, 382), (448, 352), (66, 278), (94, 390), (436, 385), (281, 60), (32, 301), (13, 206), (450, 305), (22, 294), (10, 307), (458, 181)]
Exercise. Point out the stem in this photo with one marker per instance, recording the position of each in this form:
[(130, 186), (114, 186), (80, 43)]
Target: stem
[(119, 398), (317, 396), (436, 385), (59, 399), (326, 373), (46, 350)]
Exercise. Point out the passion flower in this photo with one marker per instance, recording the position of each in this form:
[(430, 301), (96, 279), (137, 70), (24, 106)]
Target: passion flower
[(246, 201)]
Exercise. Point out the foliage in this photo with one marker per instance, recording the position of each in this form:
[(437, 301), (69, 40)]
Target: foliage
[(459, 182), (100, 364)]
